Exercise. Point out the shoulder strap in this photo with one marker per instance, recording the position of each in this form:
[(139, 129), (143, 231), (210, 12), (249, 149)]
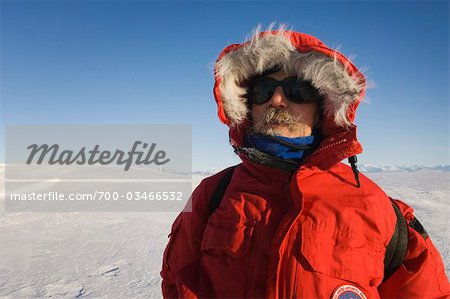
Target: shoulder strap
[(396, 249), (220, 189), (417, 226)]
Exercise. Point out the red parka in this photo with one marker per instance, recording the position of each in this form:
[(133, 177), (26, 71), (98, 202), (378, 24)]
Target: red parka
[(307, 233)]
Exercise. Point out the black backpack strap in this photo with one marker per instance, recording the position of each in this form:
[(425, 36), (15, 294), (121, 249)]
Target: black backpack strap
[(396, 249), (418, 227), (220, 189)]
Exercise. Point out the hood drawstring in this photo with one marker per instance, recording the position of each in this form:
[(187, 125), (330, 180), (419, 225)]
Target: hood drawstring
[(353, 160)]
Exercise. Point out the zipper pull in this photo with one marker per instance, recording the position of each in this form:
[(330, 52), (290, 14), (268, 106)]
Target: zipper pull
[(353, 160)]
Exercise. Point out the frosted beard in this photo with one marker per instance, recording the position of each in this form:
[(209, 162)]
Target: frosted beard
[(276, 121)]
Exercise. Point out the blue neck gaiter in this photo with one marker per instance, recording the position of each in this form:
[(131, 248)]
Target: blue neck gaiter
[(280, 146)]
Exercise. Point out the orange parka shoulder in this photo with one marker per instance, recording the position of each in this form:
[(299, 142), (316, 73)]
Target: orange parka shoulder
[(327, 234)]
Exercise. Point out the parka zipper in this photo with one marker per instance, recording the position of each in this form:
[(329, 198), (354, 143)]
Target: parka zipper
[(294, 291), (287, 190), (328, 146)]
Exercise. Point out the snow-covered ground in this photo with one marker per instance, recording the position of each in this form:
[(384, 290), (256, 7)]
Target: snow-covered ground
[(118, 255)]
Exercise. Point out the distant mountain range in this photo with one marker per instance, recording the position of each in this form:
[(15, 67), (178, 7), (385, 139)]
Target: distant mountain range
[(368, 168), (414, 168), (361, 167)]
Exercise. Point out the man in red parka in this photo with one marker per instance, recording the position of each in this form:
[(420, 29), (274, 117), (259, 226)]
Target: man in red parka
[(294, 221)]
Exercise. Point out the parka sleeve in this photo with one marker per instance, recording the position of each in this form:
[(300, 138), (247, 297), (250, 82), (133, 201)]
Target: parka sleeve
[(182, 253), (422, 274)]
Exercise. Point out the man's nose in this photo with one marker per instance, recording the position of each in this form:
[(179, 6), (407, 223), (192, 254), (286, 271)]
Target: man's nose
[(278, 98)]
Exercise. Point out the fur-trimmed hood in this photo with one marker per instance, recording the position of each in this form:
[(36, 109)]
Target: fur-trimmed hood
[(340, 83)]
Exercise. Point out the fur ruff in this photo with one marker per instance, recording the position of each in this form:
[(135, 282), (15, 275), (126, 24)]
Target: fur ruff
[(263, 52)]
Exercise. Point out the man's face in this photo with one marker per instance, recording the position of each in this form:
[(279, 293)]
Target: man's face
[(279, 116)]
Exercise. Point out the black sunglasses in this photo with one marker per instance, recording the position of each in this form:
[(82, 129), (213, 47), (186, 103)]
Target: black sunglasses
[(261, 90)]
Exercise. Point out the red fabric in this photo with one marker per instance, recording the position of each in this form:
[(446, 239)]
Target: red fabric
[(299, 235), (274, 236)]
